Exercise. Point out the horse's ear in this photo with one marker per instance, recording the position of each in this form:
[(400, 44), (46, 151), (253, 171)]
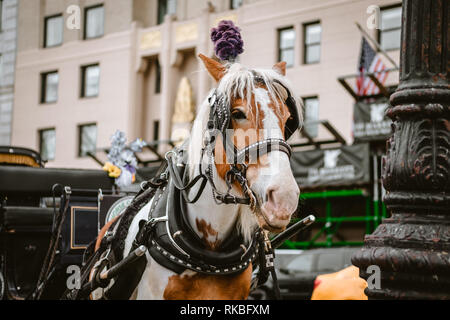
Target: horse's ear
[(280, 67), (215, 68)]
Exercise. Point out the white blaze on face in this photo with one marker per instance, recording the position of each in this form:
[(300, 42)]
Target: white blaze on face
[(274, 184)]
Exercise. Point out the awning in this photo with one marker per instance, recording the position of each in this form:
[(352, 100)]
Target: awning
[(343, 166), (370, 122)]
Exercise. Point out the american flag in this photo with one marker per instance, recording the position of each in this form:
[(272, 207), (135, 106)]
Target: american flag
[(369, 62)]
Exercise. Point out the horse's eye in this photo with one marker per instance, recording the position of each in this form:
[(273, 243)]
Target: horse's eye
[(238, 115)]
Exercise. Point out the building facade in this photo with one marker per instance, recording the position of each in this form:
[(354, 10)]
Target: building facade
[(86, 68), (8, 33)]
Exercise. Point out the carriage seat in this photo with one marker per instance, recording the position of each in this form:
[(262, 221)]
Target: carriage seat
[(15, 217), (39, 181)]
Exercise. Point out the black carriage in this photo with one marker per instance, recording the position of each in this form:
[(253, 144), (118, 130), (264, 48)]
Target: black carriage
[(48, 216)]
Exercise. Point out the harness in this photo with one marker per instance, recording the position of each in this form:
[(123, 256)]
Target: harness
[(176, 246), (167, 235)]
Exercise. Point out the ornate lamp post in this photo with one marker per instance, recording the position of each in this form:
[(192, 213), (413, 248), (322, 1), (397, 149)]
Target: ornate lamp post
[(412, 247)]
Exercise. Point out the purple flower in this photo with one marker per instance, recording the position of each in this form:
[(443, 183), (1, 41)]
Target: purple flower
[(227, 40), (130, 168)]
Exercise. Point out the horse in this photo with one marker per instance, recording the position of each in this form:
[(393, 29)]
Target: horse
[(262, 112)]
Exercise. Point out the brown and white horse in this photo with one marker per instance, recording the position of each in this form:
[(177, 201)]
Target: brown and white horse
[(258, 112)]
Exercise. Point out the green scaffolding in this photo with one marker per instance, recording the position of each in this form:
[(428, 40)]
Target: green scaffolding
[(375, 211)]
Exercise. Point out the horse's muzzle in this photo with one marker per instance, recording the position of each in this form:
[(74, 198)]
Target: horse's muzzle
[(278, 207)]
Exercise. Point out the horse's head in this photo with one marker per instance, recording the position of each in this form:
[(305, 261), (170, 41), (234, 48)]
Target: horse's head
[(260, 107)]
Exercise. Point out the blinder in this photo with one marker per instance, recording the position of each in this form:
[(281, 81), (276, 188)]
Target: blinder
[(293, 122)]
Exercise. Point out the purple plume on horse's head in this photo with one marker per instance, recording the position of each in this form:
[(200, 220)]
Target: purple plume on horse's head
[(227, 40)]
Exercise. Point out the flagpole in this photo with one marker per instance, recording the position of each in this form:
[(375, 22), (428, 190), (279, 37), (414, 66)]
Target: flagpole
[(376, 44)]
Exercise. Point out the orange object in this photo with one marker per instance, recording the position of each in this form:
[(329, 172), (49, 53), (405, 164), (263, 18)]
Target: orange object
[(342, 285)]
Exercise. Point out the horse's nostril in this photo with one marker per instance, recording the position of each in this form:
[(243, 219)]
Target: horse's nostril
[(270, 195)]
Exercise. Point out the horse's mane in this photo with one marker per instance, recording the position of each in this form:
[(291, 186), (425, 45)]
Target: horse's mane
[(238, 82)]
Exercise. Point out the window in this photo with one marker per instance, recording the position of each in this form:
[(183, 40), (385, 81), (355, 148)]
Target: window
[(311, 37), (156, 130), (348, 257), (90, 80), (166, 7), (303, 263), (87, 139), (158, 77), (94, 22), (49, 87), (1, 14), (311, 105), (286, 43), (47, 143), (53, 33), (390, 28), (235, 4), (329, 262)]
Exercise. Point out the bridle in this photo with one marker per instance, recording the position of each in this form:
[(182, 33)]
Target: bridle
[(218, 123)]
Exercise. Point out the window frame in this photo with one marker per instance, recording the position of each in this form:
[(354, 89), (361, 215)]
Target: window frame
[(304, 113), (40, 132), (307, 45), (45, 31), (85, 22), (1, 14), (43, 96), (157, 77), (240, 5), (80, 135), (83, 80), (279, 31), (159, 19), (156, 127), (379, 31)]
